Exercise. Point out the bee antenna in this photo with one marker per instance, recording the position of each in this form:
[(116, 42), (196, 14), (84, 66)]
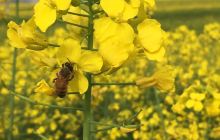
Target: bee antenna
[(69, 60)]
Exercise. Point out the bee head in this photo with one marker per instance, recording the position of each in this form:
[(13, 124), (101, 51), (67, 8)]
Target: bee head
[(69, 66)]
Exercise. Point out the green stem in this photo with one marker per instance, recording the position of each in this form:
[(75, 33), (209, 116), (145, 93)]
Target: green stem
[(100, 123), (133, 117), (87, 101), (74, 24), (84, 48), (77, 14), (43, 104), (11, 103), (41, 136), (159, 110), (103, 129)]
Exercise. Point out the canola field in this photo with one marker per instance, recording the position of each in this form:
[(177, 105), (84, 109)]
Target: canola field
[(110, 70)]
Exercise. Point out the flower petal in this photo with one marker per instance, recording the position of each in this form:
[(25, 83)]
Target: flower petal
[(62, 4), (190, 103), (129, 12), (150, 35), (15, 40), (197, 96), (43, 87), (117, 46), (70, 49), (198, 106), (113, 7), (158, 56), (90, 62), (79, 83), (109, 29), (44, 15), (115, 53)]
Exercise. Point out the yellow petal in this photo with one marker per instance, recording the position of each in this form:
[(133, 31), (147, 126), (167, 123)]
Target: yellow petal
[(125, 33), (43, 87), (15, 40), (165, 78), (113, 7), (150, 35), (13, 25), (28, 29), (115, 53), (90, 62), (79, 83), (70, 49), (135, 3), (197, 96), (158, 55), (145, 82), (42, 59), (117, 46), (216, 96), (62, 4), (129, 12), (109, 29), (127, 129), (198, 106), (190, 103), (44, 15)]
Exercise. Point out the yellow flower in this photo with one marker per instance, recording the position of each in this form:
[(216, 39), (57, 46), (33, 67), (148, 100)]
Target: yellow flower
[(45, 12), (121, 9), (213, 108), (83, 61), (43, 87), (26, 36), (151, 37), (195, 101), (162, 79), (215, 133), (40, 130), (114, 40), (178, 108)]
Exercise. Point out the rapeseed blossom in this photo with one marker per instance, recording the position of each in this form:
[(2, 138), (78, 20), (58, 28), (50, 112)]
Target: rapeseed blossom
[(26, 36)]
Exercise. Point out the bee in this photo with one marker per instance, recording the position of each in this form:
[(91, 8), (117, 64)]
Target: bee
[(63, 77)]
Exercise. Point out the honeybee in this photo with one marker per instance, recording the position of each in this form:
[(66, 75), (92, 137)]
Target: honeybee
[(63, 77)]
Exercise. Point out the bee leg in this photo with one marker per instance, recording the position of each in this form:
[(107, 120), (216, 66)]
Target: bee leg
[(54, 80), (72, 76)]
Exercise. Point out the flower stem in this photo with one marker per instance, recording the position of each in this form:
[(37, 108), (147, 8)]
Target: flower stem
[(77, 14), (11, 103), (87, 101), (74, 24), (103, 129), (43, 104), (159, 110), (84, 48)]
